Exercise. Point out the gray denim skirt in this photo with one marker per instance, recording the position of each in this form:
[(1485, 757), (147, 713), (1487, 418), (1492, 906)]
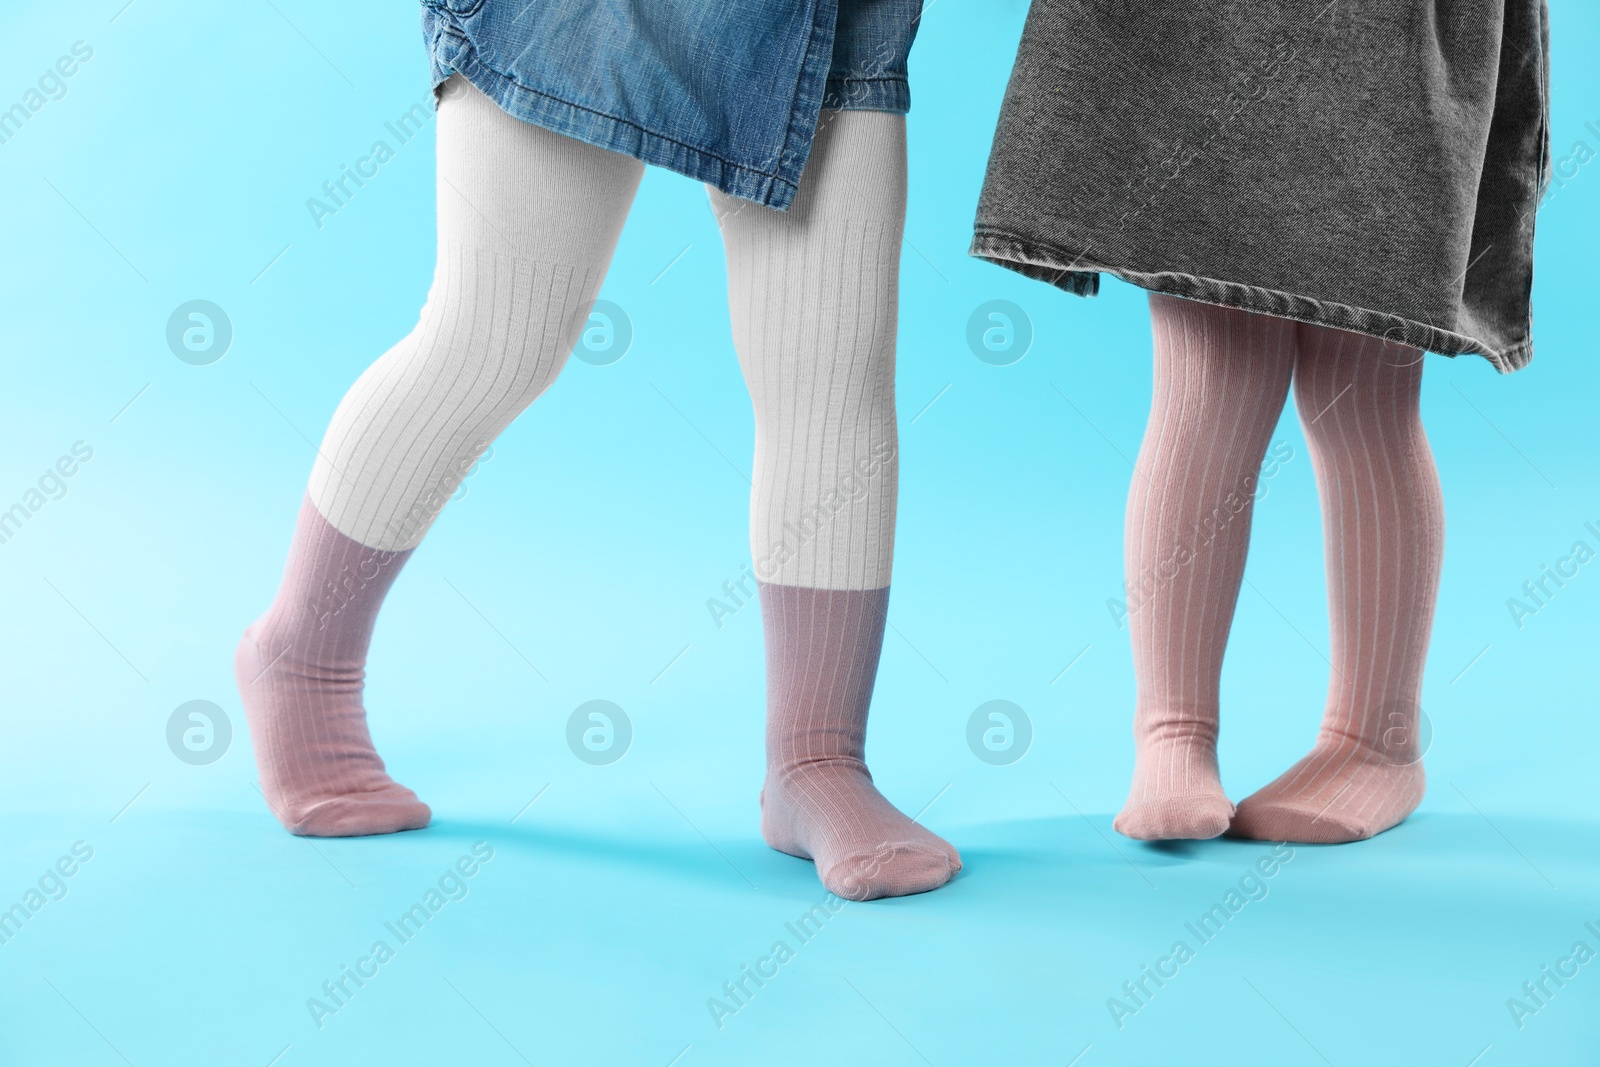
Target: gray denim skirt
[(1373, 167)]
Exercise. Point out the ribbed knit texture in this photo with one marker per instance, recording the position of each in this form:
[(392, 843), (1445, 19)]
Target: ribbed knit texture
[(528, 221), (819, 802), (1383, 525), (527, 224), (813, 294), (301, 668), (1221, 381), (813, 299)]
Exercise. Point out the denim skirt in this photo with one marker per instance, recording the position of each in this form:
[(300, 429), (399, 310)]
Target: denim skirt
[(1373, 167), (725, 91)]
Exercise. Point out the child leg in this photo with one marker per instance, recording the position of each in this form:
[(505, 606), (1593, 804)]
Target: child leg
[(1221, 380), (813, 296), (528, 220), (1383, 525)]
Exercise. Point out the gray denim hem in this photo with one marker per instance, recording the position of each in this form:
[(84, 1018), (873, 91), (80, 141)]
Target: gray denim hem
[(1078, 275), (607, 131)]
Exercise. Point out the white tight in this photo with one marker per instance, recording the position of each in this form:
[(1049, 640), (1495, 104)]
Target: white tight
[(528, 222)]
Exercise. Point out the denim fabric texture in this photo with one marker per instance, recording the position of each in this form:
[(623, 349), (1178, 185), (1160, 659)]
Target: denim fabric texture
[(725, 91), (1373, 167)]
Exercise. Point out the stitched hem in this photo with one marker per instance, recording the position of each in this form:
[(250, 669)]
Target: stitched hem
[(452, 52), (1080, 276), (805, 107), (888, 93)]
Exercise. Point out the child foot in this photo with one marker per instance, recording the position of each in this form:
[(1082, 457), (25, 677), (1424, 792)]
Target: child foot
[(1336, 794), (320, 774), (1195, 817), (300, 669), (864, 848), (1176, 794)]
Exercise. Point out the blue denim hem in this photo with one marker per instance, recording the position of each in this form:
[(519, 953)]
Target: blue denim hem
[(887, 93), (772, 184), (806, 107), (1081, 277)]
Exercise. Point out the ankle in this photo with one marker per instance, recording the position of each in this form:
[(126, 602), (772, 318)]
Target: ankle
[(786, 773), (1394, 749)]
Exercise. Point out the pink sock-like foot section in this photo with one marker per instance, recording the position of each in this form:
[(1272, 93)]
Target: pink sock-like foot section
[(1383, 525), (300, 670), (1221, 380), (819, 802), (1176, 794), (1336, 794)]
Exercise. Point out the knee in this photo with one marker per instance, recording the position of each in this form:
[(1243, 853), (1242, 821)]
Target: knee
[(845, 380), (497, 338)]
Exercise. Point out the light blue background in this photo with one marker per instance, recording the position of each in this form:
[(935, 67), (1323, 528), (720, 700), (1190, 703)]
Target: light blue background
[(178, 165)]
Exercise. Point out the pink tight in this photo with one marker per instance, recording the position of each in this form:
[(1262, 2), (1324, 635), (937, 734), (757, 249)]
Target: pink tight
[(1222, 377)]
